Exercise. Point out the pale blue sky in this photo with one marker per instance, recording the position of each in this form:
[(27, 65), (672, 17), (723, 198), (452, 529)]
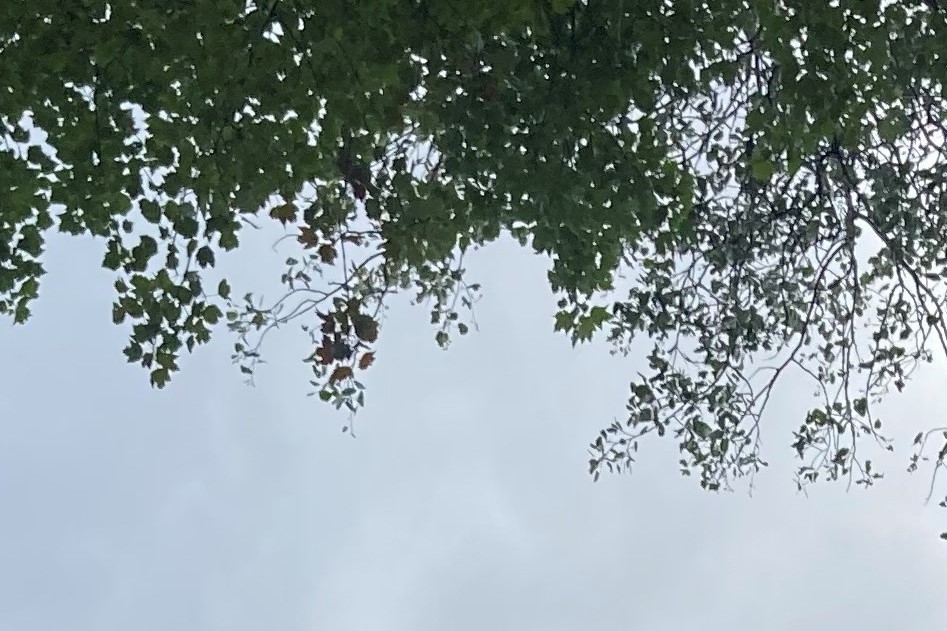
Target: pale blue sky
[(463, 504)]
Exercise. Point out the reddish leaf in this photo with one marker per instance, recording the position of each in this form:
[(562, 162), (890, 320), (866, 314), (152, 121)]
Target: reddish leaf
[(307, 237), (324, 354), (366, 360), (327, 253), (285, 213), (340, 373)]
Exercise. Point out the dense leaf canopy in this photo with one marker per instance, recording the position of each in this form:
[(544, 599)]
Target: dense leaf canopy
[(749, 186)]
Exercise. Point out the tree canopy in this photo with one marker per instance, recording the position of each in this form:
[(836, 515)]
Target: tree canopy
[(749, 187)]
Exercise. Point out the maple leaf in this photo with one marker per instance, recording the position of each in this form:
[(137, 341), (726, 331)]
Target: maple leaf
[(285, 213), (324, 352), (307, 237)]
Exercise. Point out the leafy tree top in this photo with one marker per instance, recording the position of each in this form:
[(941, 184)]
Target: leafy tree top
[(752, 186)]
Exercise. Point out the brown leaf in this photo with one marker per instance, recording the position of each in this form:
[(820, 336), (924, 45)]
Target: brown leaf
[(285, 213), (324, 354), (307, 237), (352, 238), (328, 326), (366, 360), (327, 253), (366, 328), (340, 373)]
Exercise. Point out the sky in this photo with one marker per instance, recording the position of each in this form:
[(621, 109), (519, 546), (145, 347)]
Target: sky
[(463, 503)]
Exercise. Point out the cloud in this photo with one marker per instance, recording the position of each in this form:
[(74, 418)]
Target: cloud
[(463, 504)]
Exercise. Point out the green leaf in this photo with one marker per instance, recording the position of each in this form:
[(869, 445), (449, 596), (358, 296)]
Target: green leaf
[(186, 226), (860, 405), (228, 240), (113, 258), (160, 377), (133, 352), (700, 428), (142, 253), (762, 169), (31, 240), (564, 321), (151, 211), (205, 256), (212, 314)]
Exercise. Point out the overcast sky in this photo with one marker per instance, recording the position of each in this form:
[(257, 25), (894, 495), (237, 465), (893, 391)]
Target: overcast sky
[(463, 504)]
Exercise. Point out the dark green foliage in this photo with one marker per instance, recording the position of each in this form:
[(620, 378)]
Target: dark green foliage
[(753, 186)]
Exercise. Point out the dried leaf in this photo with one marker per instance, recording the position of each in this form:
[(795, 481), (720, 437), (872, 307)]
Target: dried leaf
[(307, 237), (340, 373), (324, 354), (327, 253), (366, 360), (284, 213)]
